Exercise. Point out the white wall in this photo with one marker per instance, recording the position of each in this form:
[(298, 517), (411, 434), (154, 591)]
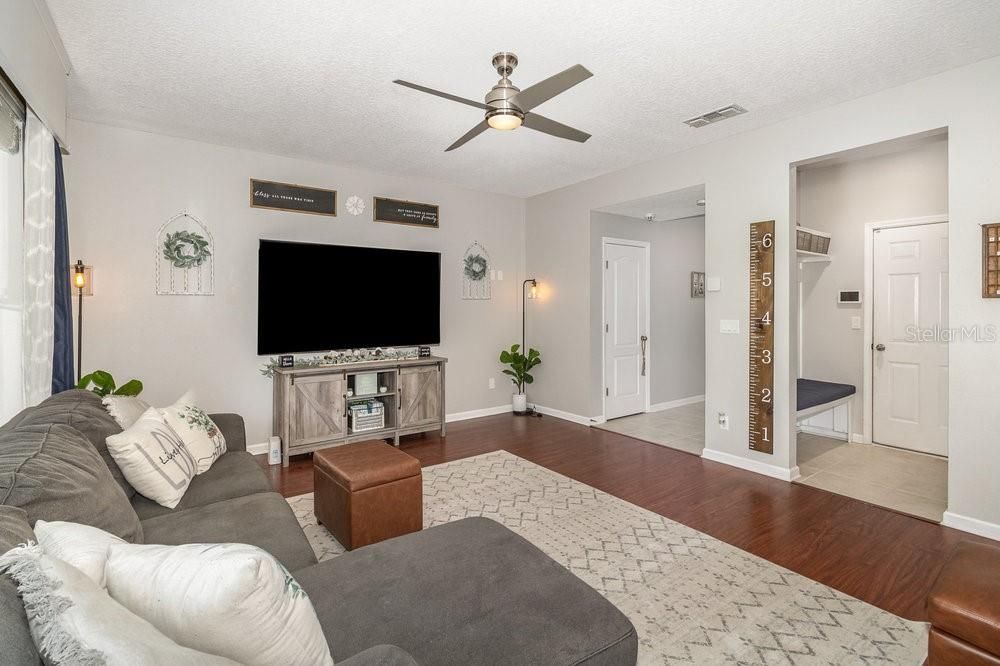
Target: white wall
[(841, 199), (747, 178), (122, 185), (677, 321), (33, 57)]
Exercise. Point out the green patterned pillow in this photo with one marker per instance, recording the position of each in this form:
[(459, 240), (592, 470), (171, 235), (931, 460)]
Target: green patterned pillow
[(199, 433)]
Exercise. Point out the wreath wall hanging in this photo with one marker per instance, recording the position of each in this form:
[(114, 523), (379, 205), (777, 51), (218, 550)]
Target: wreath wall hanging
[(476, 264), (185, 257)]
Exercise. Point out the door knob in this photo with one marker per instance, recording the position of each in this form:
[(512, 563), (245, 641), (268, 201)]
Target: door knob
[(880, 347)]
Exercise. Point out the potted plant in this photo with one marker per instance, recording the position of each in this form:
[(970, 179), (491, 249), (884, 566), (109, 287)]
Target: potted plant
[(519, 371), (104, 384)]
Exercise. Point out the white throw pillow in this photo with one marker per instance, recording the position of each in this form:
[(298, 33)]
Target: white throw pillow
[(153, 459), (124, 409), (229, 599), (200, 434), (81, 546), (73, 621)]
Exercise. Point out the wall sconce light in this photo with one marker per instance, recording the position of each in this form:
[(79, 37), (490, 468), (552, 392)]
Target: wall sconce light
[(533, 292)]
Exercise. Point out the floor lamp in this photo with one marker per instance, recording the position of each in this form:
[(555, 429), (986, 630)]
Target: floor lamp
[(83, 284), (532, 294)]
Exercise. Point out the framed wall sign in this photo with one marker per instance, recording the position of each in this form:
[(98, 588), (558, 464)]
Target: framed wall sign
[(991, 261), (294, 198), (399, 211)]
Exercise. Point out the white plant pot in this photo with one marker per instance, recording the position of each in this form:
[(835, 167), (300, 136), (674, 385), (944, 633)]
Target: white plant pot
[(519, 402)]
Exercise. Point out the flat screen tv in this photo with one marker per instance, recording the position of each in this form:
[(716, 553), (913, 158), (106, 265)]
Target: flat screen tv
[(313, 297)]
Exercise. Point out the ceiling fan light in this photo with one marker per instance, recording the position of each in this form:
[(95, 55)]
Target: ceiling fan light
[(504, 121)]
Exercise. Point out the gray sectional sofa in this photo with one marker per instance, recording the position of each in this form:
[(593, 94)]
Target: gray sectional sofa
[(469, 592)]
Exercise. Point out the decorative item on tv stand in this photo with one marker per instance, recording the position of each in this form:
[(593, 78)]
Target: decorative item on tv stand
[(519, 369)]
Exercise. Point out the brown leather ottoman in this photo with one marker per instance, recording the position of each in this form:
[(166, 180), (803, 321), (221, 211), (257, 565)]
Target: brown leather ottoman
[(367, 492), (964, 608)]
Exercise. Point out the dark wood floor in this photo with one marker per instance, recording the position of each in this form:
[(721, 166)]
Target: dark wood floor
[(882, 557)]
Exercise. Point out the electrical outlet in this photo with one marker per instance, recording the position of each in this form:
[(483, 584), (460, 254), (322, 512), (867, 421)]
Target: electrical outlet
[(493, 382), (724, 420), (493, 274), (500, 276)]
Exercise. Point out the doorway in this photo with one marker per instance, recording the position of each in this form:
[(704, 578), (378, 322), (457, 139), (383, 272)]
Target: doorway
[(873, 308), (648, 318), (626, 327)]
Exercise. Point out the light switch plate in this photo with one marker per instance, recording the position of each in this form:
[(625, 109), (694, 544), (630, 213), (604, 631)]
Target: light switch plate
[(856, 323), (713, 283), (729, 326)]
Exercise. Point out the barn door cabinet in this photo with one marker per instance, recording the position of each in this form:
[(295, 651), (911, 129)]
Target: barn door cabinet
[(311, 405)]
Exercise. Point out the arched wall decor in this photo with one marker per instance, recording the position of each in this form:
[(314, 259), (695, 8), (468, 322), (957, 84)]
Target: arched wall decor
[(184, 257), (476, 266)]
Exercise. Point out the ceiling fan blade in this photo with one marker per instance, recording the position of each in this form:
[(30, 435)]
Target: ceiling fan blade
[(454, 98), (545, 90), (471, 134), (543, 124)]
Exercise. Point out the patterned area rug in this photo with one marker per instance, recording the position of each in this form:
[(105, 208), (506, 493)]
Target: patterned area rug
[(692, 598)]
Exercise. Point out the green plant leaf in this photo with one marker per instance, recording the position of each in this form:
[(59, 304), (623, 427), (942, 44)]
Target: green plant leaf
[(131, 387), (510, 372), (505, 356), (514, 348), (528, 379), (84, 381)]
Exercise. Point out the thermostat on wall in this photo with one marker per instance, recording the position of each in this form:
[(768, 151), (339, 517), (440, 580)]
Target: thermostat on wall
[(852, 296)]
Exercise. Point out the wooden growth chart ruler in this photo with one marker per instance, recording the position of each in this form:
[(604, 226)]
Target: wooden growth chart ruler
[(762, 336)]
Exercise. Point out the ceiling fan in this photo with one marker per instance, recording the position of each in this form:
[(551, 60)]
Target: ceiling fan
[(508, 107)]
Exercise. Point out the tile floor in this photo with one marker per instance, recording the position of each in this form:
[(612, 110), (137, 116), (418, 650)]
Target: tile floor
[(905, 481), (681, 428)]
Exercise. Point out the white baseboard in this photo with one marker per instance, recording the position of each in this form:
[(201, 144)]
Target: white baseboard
[(823, 432), (567, 416), (477, 413), (680, 402), (257, 449), (971, 525), (766, 469)]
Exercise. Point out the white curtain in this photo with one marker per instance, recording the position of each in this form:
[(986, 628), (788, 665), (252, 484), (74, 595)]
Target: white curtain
[(39, 259)]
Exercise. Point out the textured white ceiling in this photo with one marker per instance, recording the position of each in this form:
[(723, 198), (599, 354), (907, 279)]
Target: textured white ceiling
[(668, 206), (312, 78)]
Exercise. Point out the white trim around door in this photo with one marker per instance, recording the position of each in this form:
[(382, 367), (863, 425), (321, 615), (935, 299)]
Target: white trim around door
[(605, 242)]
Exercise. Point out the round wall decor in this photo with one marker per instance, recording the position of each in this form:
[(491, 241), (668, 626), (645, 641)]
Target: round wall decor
[(355, 205)]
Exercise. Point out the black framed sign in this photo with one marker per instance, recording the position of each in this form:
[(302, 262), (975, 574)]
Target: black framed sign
[(398, 211), (294, 198)]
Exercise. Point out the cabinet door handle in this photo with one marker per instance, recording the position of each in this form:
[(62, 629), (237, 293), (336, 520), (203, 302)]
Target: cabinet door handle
[(399, 400), (345, 405)]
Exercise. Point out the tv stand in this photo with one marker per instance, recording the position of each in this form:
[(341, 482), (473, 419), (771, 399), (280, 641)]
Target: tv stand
[(311, 403)]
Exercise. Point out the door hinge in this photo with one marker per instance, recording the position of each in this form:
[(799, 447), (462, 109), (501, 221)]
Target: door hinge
[(605, 264), (606, 329), (606, 391)]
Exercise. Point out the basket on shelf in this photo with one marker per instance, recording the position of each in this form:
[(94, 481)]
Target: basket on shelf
[(367, 416)]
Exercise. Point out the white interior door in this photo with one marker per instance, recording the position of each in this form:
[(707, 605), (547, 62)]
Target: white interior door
[(910, 364), (625, 329)]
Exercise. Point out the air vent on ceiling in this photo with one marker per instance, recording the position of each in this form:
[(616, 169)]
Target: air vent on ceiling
[(716, 116)]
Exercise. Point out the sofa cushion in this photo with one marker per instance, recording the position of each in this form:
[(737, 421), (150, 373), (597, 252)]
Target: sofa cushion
[(235, 474), (15, 636), (264, 520), (84, 411), (465, 592), (53, 473)]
